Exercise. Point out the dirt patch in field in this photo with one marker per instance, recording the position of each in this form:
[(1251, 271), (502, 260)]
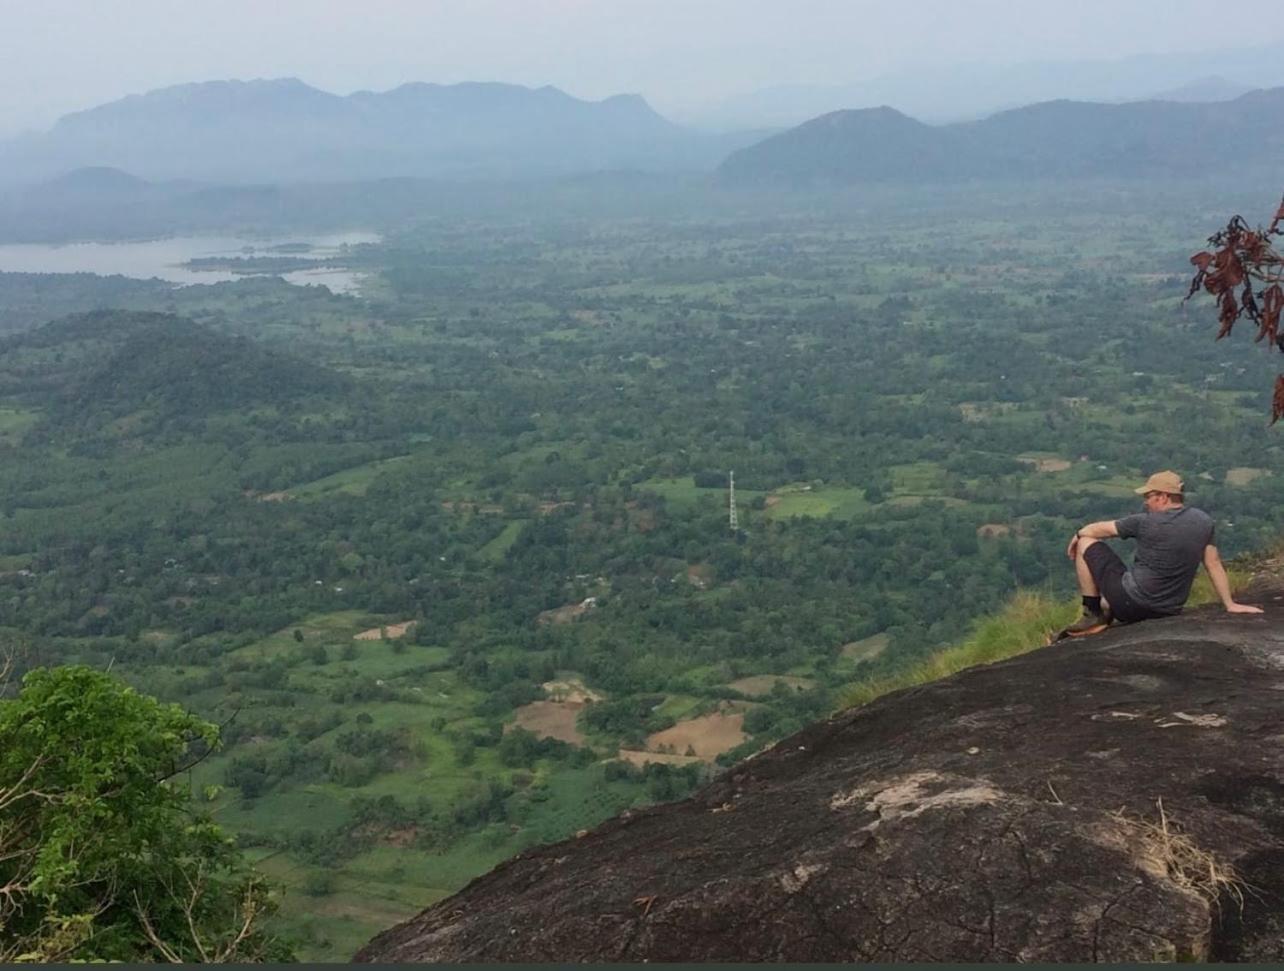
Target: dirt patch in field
[(973, 411), (867, 649), (707, 736), (771, 501), (400, 837), (993, 530), (545, 508), (1046, 465), (700, 576), (567, 613), (391, 632), (571, 690), (634, 757), (551, 719), (643, 520), (280, 496), (1243, 475), (762, 684), (462, 505)]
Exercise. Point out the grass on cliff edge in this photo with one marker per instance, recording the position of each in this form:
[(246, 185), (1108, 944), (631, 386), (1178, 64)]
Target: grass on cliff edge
[(1023, 625)]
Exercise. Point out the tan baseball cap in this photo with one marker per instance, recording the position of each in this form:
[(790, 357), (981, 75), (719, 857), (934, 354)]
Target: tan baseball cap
[(1168, 481)]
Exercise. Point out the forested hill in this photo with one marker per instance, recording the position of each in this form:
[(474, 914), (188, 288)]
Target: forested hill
[(1115, 799), (121, 374), (1055, 139)]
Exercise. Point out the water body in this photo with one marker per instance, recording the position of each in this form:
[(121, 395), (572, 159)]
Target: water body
[(163, 259)]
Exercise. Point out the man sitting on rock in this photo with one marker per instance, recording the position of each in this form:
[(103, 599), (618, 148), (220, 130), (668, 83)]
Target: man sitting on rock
[(1172, 540)]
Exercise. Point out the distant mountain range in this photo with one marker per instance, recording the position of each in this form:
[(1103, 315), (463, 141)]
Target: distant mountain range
[(277, 155), (939, 94), (1056, 139), (286, 131), (1212, 88)]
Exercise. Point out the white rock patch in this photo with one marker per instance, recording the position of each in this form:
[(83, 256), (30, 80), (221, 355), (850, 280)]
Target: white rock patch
[(908, 796)]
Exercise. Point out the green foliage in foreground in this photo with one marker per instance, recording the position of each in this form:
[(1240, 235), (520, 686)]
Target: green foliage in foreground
[(100, 858), (1021, 626), (1024, 624)]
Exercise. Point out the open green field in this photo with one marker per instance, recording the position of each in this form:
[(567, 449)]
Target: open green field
[(16, 422), (682, 491), (352, 482), (496, 548), (844, 503), (917, 479), (679, 706), (866, 649)]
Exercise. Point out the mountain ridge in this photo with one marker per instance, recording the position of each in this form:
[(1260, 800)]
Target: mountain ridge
[(1060, 138), (960, 92), (283, 129)]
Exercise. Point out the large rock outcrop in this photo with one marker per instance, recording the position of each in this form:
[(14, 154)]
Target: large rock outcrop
[(1114, 799)]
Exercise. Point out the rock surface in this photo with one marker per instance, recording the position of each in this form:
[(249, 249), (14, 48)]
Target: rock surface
[(1009, 813)]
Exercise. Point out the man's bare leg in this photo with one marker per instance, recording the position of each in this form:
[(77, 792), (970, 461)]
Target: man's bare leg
[(1087, 583), (1089, 623)]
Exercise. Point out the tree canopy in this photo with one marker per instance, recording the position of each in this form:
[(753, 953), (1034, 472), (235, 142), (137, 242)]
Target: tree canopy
[(101, 855)]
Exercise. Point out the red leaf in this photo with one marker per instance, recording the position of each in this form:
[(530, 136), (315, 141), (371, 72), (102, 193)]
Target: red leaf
[(1272, 305), (1201, 260), (1273, 299), (1229, 314), (1277, 404), (1230, 270)]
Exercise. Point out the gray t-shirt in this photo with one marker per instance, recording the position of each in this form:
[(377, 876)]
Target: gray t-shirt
[(1170, 547)]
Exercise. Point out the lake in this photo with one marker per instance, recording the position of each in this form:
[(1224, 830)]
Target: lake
[(163, 259)]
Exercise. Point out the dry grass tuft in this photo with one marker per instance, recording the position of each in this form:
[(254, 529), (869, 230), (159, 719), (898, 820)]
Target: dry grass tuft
[(1181, 860)]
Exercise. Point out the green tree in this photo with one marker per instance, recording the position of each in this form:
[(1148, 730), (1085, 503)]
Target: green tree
[(101, 855)]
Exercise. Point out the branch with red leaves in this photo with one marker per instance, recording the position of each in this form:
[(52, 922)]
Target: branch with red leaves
[(1240, 258)]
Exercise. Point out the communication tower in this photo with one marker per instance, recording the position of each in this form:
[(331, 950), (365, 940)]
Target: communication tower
[(734, 525)]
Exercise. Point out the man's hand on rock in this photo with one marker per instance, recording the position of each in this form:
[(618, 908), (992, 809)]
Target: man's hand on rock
[(1239, 608)]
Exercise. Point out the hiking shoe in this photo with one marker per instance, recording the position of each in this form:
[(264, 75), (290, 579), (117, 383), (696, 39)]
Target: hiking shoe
[(1089, 623)]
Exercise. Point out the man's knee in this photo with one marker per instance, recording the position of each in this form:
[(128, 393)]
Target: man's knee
[(1085, 543)]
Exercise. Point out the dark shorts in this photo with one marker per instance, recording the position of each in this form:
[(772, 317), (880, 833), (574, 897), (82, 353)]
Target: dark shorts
[(1108, 570)]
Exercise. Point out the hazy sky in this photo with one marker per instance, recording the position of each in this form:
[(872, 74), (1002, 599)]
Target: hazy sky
[(62, 55)]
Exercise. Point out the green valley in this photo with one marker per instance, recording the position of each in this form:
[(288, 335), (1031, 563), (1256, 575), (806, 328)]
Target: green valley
[(450, 563)]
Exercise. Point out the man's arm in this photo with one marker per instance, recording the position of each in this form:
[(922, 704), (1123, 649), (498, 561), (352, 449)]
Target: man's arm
[(1106, 529), (1221, 583)]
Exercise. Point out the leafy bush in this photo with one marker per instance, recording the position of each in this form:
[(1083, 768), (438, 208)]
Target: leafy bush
[(102, 859)]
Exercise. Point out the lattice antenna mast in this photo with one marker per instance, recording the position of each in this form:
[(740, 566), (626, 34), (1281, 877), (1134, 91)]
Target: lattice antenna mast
[(734, 524)]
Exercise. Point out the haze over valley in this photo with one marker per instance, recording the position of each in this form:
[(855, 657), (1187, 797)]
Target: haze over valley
[(380, 409)]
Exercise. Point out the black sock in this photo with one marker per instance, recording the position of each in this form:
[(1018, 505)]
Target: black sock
[(1092, 604)]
